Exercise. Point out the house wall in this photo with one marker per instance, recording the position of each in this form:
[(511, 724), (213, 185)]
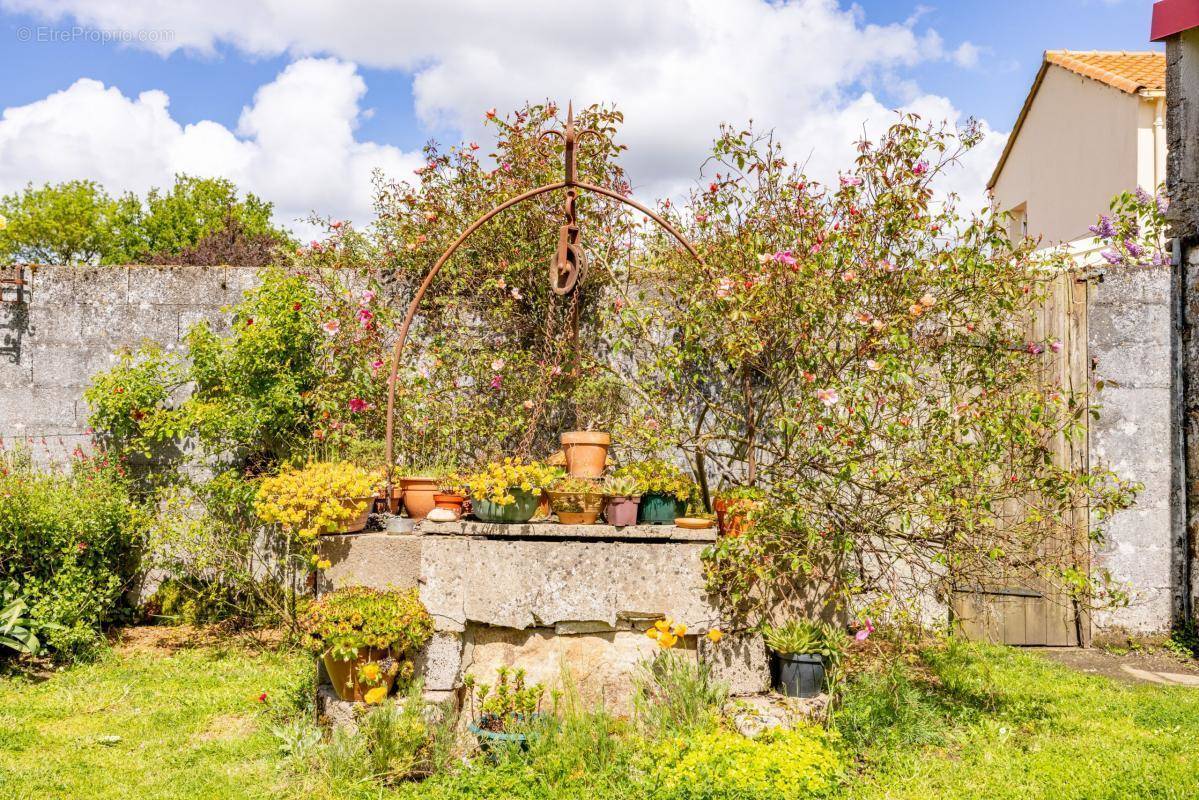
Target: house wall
[(1078, 147), (76, 321)]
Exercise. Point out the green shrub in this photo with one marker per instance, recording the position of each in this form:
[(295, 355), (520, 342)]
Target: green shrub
[(723, 765), (675, 694), (70, 537)]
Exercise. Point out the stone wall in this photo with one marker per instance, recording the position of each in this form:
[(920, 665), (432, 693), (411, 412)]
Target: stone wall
[(74, 321)]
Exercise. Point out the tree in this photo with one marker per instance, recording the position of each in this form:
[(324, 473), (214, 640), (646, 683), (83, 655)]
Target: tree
[(858, 352), (78, 222)]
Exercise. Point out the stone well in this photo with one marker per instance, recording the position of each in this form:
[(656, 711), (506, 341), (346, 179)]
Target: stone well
[(549, 598)]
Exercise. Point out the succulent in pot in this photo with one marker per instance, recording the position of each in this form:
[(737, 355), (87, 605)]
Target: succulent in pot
[(733, 507), (802, 653), (665, 490), (503, 711), (576, 501), (586, 452), (322, 497), (509, 490), (366, 639), (624, 496)]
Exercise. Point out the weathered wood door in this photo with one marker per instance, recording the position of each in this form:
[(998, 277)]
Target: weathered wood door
[(1020, 609)]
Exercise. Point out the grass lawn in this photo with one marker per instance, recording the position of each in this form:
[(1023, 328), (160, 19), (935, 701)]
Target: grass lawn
[(144, 723), (970, 722)]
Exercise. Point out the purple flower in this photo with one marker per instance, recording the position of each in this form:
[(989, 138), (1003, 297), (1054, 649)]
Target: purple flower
[(497, 381), (1163, 203), (1135, 250), (1112, 257), (1143, 196), (1105, 229)]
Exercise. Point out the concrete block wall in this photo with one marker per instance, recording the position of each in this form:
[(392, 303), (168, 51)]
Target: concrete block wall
[(75, 321), (1132, 347)]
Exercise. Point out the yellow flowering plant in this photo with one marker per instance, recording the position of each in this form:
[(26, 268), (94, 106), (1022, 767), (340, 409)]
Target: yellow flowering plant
[(318, 498), (499, 480), (347, 620), (667, 633)]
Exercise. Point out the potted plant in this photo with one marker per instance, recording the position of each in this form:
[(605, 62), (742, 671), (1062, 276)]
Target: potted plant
[(366, 638), (586, 452), (419, 488), (506, 710), (451, 494), (665, 490), (624, 495), (732, 507), (508, 490), (802, 652), (576, 501), (322, 497)]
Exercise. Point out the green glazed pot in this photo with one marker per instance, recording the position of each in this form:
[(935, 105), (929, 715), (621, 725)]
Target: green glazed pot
[(660, 509), (514, 513)]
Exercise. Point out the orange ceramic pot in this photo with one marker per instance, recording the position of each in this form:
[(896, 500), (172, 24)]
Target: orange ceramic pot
[(450, 502), (586, 453), (346, 678), (418, 495), (358, 522)]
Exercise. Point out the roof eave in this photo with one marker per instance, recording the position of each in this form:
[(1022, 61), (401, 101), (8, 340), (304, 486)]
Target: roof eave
[(1011, 138)]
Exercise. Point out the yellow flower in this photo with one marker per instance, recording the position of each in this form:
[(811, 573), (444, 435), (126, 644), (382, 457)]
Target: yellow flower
[(376, 695), (653, 633), (715, 635), (680, 629), (662, 625), (324, 563), (667, 641), (369, 672)]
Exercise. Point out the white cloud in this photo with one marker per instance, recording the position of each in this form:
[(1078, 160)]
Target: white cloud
[(967, 55), (811, 69), (294, 145)]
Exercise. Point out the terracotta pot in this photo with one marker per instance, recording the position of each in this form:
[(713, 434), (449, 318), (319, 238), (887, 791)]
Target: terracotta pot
[(730, 515), (622, 511), (392, 504), (344, 674), (358, 522), (418, 495), (450, 502), (586, 453), (588, 505)]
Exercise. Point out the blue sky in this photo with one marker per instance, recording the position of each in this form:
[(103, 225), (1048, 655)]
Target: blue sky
[(212, 73)]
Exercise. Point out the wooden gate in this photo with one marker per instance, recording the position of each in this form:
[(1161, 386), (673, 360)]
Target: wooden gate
[(1020, 609)]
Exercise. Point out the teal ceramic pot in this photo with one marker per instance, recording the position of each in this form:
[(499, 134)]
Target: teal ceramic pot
[(660, 509), (514, 513)]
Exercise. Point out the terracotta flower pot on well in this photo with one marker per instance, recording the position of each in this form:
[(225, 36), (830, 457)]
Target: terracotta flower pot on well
[(418, 495), (358, 522), (450, 502), (586, 452), (347, 678), (393, 502), (577, 508)]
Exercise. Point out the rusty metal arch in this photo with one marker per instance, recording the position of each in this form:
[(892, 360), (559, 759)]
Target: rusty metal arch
[(570, 184)]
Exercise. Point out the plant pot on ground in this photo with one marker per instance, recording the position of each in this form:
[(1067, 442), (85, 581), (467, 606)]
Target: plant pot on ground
[(366, 639), (576, 501), (624, 496), (733, 507), (802, 653), (665, 490), (503, 712), (509, 491), (391, 501), (586, 452)]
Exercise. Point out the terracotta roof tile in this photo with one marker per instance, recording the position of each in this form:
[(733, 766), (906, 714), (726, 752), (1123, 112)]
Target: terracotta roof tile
[(1128, 72)]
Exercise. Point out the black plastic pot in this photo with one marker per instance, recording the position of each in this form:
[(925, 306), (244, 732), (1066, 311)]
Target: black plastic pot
[(797, 674)]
